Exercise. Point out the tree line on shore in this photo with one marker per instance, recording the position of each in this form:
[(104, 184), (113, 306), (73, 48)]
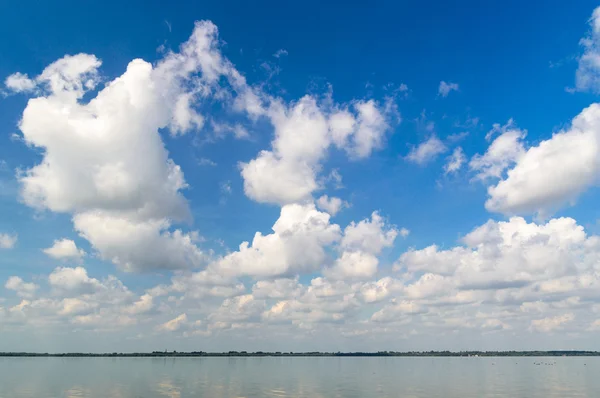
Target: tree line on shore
[(311, 354)]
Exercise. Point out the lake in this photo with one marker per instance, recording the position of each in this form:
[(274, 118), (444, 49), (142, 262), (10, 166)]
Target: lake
[(527, 377)]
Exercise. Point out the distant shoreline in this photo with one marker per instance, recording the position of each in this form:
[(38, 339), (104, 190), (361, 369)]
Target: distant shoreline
[(171, 354)]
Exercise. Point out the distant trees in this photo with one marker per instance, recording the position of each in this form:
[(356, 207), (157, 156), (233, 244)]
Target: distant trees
[(313, 354)]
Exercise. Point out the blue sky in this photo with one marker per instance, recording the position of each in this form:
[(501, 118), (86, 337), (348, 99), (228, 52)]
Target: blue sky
[(365, 146)]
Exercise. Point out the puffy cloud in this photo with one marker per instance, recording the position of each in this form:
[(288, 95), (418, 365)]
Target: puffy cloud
[(550, 324), (297, 244), (8, 241), (445, 88), (331, 205), (509, 255), (304, 131), (455, 161), (205, 283), (174, 324), (240, 308), (373, 292), (370, 236), (64, 249), (551, 174), (426, 151), (277, 288), (19, 83), (143, 305), (22, 288), (76, 306), (353, 265), (397, 311), (73, 279), (360, 245), (140, 245), (502, 153), (103, 158), (588, 72)]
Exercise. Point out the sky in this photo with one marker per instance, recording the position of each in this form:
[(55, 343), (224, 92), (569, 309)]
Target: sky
[(282, 176)]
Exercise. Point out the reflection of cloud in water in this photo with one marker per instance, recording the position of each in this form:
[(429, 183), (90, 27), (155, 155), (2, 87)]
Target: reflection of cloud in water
[(167, 389), (277, 393), (76, 392)]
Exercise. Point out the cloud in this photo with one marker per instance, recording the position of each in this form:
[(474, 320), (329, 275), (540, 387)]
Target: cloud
[(446, 88), (547, 176), (502, 153), (23, 289), (174, 324), (455, 161), (19, 83), (206, 162), (369, 235), (331, 205), (550, 324), (8, 241), (510, 255), (114, 179), (73, 279), (136, 246), (64, 249), (587, 77), (297, 244), (304, 131), (280, 53), (426, 151), (353, 265), (361, 244)]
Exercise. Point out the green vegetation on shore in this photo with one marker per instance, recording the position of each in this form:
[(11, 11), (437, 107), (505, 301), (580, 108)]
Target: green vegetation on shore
[(315, 354)]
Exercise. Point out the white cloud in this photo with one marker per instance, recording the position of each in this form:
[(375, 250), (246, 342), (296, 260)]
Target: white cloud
[(297, 244), (64, 249), (19, 82), (426, 151), (304, 131), (22, 288), (353, 265), (360, 245), (549, 175), (8, 241), (240, 308), (280, 53), (455, 161), (73, 279), (510, 254), (588, 72), (550, 324), (502, 153), (373, 292), (277, 288), (138, 246), (331, 205), (76, 306), (206, 162), (397, 310), (445, 88), (174, 324), (404, 232), (206, 283), (370, 236), (113, 178)]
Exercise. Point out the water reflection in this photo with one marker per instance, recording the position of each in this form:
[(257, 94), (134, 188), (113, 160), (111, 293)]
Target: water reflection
[(298, 377)]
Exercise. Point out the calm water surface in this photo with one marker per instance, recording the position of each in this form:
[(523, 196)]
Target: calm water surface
[(299, 377)]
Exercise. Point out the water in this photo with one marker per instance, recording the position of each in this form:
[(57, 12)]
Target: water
[(299, 377)]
